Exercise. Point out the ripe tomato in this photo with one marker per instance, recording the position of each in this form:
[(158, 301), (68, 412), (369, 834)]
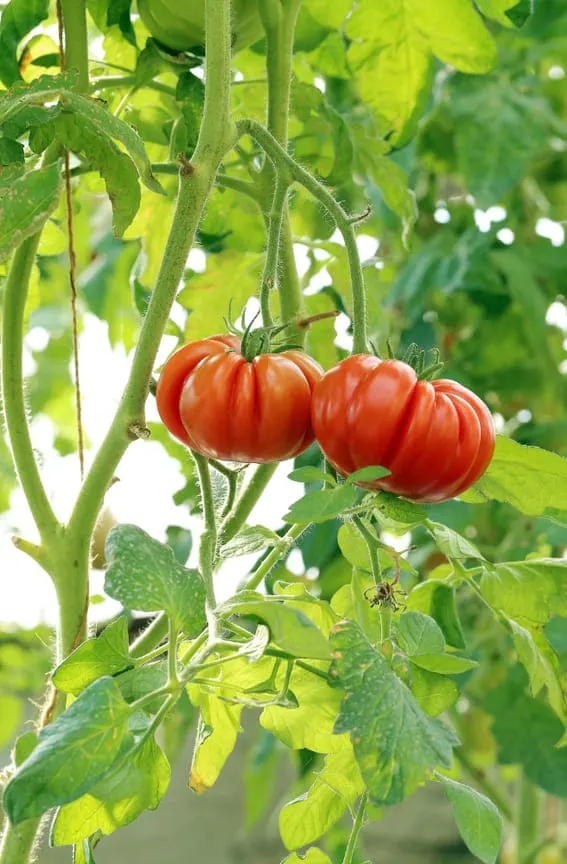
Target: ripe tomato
[(180, 24), (436, 438), (224, 407)]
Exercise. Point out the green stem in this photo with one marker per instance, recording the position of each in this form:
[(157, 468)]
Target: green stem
[(195, 183), (356, 828), (173, 632), (343, 221), (208, 544), (15, 296), (275, 555), (247, 501), (270, 275), (152, 636), (528, 817), (116, 82), (279, 21), (18, 842), (372, 545), (76, 40)]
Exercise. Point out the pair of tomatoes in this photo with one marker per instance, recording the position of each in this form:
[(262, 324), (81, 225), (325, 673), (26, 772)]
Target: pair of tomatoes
[(436, 438)]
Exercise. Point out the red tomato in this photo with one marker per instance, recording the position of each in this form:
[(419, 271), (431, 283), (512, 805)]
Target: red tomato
[(224, 407), (436, 438)]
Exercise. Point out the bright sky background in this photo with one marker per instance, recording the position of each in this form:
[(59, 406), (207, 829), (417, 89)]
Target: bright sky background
[(148, 477)]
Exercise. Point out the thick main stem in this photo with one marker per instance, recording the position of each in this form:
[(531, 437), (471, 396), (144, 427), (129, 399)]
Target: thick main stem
[(279, 21), (195, 183), (76, 40)]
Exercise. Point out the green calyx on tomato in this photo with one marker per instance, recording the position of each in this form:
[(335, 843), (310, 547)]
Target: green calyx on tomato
[(180, 24), (436, 437), (224, 406)]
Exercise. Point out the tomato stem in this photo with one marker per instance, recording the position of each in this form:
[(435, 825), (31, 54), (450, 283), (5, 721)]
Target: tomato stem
[(247, 500), (279, 21), (372, 545), (284, 161), (356, 828), (275, 219)]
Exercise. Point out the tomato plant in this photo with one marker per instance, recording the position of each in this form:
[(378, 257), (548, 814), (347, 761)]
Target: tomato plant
[(436, 438), (225, 407), (353, 618), (182, 26)]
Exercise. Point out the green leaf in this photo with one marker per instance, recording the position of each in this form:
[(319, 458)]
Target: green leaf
[(217, 731), (443, 664), (336, 787), (18, 18), (25, 204), (310, 474), (531, 590), (452, 544), (368, 474), (527, 733), (144, 575), (180, 541), (351, 602), (119, 13), (378, 707), (391, 510), (392, 181), (311, 724), (392, 48), (419, 634), (433, 693), (312, 856), (525, 289), (105, 655), (497, 9), (107, 125), (290, 629), (477, 818), (437, 599), (505, 129), (137, 783), (24, 746), (231, 278), (11, 152), (532, 480), (521, 13), (74, 752), (322, 505), (250, 539), (542, 665), (79, 134)]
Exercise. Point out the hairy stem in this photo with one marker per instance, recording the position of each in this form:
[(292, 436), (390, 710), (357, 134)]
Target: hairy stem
[(76, 40), (279, 21), (372, 546), (208, 544), (342, 220), (275, 555), (356, 828), (195, 183), (247, 501), (15, 296), (270, 275)]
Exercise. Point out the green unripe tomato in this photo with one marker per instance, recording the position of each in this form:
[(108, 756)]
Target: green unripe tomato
[(180, 24)]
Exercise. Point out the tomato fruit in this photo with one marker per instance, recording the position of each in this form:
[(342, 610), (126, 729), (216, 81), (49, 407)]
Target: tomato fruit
[(180, 24), (436, 438), (226, 407)]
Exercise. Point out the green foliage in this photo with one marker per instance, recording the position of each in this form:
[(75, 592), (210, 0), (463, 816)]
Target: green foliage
[(74, 753), (105, 655), (379, 703), (143, 574), (26, 200), (18, 18), (478, 820)]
